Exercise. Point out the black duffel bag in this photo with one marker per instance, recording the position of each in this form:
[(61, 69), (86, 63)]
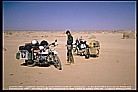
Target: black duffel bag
[(21, 47), (28, 47)]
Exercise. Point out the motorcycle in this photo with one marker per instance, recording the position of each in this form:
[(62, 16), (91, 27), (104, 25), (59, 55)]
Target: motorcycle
[(79, 47), (87, 50), (39, 54)]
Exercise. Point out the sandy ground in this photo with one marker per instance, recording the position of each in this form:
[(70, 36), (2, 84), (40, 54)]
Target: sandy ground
[(114, 68)]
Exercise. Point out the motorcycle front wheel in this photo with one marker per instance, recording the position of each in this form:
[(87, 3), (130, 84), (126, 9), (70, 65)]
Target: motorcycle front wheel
[(87, 53), (57, 63)]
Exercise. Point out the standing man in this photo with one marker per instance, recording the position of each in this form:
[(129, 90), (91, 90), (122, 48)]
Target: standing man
[(70, 58)]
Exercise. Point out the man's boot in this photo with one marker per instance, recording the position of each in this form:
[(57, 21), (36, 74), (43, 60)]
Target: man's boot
[(68, 63), (67, 59)]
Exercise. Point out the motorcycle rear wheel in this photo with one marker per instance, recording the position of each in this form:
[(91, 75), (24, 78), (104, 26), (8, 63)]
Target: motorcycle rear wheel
[(30, 62), (87, 56)]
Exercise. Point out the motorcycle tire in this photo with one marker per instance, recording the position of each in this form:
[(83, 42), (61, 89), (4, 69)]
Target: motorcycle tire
[(97, 53), (87, 56), (30, 62), (58, 63)]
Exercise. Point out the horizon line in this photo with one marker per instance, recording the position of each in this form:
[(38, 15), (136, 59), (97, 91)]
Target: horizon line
[(72, 30)]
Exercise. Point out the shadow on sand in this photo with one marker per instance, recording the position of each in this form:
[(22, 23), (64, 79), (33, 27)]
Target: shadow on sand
[(42, 65)]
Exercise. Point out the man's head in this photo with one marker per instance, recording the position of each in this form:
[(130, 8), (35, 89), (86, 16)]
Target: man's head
[(68, 32)]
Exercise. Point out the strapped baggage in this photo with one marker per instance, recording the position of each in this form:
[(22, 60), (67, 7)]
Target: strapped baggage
[(94, 44), (94, 47)]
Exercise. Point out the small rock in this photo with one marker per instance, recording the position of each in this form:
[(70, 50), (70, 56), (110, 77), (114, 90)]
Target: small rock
[(40, 73), (11, 74)]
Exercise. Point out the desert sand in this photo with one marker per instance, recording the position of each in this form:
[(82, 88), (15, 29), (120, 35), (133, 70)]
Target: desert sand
[(115, 68)]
